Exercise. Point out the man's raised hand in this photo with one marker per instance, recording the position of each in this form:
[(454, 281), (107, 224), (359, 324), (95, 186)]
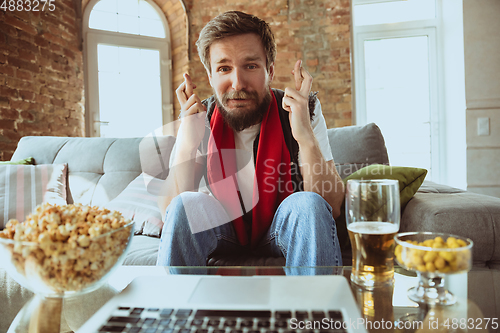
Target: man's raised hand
[(190, 102), (296, 101), (192, 115)]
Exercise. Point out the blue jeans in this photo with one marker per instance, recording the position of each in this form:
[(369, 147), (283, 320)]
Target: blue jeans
[(303, 231)]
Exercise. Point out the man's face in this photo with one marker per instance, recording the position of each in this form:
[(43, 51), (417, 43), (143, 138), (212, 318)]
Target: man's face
[(240, 79)]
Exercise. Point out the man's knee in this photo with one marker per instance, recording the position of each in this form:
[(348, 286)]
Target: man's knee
[(305, 202), (195, 212), (177, 212)]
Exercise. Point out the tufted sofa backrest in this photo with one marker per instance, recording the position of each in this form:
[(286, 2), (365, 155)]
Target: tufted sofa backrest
[(99, 168)]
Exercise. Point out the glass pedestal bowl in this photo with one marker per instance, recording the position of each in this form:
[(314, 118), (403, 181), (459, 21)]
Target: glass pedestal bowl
[(57, 270), (433, 256)]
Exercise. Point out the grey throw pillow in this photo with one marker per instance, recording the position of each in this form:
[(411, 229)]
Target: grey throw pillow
[(355, 147)]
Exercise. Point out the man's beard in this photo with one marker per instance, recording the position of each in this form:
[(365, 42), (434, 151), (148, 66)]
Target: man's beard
[(239, 120)]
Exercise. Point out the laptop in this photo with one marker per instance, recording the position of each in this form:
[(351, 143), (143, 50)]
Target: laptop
[(231, 304)]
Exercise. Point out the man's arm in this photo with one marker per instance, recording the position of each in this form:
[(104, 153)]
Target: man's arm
[(320, 176), (185, 173)]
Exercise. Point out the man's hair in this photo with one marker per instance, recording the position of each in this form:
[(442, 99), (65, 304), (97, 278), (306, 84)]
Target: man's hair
[(234, 23)]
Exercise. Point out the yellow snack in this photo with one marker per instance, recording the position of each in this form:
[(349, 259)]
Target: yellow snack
[(416, 259), (428, 242), (398, 250), (438, 239), (437, 260), (438, 245), (439, 263), (430, 267), (448, 256), (399, 258), (452, 242), (446, 269), (430, 256)]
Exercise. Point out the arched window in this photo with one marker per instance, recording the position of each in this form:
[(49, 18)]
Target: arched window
[(128, 68)]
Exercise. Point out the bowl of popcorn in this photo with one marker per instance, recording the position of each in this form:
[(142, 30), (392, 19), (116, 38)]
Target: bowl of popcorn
[(433, 256), (63, 250)]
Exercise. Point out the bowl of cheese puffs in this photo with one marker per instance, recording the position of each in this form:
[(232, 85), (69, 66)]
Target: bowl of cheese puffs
[(433, 253), (63, 250), (433, 256)]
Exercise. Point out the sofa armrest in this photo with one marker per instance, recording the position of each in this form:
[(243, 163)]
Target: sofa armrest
[(461, 213)]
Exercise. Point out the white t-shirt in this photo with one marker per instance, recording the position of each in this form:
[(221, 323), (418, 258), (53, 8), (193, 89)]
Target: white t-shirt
[(243, 142)]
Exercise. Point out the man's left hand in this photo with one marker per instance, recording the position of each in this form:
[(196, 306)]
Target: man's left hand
[(296, 101)]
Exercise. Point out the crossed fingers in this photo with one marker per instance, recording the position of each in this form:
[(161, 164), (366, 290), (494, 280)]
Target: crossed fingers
[(190, 102), (303, 84), (303, 80)]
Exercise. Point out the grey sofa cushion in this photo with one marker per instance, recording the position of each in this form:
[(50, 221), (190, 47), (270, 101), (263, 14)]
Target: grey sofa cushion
[(431, 187), (354, 147), (463, 213)]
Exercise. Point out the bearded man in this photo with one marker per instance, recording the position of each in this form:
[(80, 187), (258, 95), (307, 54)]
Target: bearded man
[(272, 187)]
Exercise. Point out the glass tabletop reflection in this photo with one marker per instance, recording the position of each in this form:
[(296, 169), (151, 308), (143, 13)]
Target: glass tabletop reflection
[(473, 310)]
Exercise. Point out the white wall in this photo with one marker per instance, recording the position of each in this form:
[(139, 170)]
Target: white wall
[(454, 161), (482, 87)]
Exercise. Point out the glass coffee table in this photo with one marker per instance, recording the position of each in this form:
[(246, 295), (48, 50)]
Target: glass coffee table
[(477, 308)]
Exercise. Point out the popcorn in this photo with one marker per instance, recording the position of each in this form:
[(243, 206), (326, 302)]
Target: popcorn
[(67, 247)]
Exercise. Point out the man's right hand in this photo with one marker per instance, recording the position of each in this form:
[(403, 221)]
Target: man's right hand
[(185, 173), (192, 115)]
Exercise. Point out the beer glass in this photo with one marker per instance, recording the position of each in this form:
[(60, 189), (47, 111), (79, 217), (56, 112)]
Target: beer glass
[(372, 218)]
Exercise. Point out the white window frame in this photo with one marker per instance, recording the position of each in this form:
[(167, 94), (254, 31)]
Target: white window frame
[(94, 37), (399, 30)]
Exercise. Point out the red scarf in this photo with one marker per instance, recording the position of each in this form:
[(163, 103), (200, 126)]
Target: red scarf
[(272, 181)]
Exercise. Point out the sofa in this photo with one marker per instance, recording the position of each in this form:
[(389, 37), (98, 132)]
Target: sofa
[(99, 169)]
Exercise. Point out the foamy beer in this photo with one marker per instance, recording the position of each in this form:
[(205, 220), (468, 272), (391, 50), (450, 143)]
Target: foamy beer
[(372, 218)]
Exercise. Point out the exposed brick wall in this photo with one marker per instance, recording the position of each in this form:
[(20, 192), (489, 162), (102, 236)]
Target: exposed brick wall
[(316, 31), (41, 75), (41, 62)]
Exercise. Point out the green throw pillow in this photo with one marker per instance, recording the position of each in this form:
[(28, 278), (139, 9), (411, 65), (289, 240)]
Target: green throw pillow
[(409, 180), (26, 161)]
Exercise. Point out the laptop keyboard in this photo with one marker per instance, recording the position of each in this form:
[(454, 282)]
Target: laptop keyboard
[(154, 320)]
